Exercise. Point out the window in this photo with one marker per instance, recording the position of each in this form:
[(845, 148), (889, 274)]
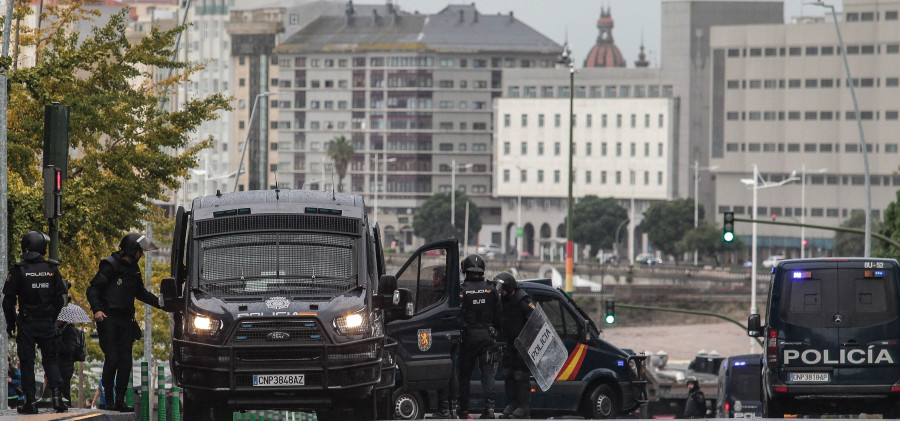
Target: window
[(603, 121), (812, 51), (540, 148), (506, 120), (795, 51), (513, 92), (588, 122), (530, 92), (446, 147), (587, 177), (890, 15), (660, 121), (659, 178), (827, 51), (546, 92), (557, 120), (633, 120), (602, 177), (524, 148), (556, 148), (523, 176), (540, 120), (556, 176), (540, 176), (633, 149), (603, 149), (426, 281), (812, 83), (479, 147), (524, 120), (505, 148), (618, 177), (794, 83), (506, 176), (618, 148), (618, 120), (587, 149)]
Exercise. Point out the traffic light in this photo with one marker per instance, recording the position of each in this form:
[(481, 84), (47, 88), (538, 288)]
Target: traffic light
[(728, 227), (52, 192), (610, 312)]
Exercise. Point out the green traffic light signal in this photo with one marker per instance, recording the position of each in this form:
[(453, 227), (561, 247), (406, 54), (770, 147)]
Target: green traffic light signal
[(610, 312), (728, 227)]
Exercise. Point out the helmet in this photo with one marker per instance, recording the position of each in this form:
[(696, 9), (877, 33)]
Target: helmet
[(134, 242), (472, 263), (507, 281), (692, 381), (35, 241)]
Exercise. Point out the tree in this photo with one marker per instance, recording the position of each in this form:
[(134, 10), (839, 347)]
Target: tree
[(432, 221), (596, 220), (707, 240), (890, 228), (666, 223), (850, 243), (341, 151), (130, 150)]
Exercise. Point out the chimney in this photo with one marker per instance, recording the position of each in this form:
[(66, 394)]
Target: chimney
[(461, 17), (476, 16), (375, 18), (511, 18)]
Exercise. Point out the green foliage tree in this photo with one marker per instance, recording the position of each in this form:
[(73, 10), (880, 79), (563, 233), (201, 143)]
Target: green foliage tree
[(130, 149), (596, 220), (707, 240), (341, 151), (666, 223), (432, 221), (890, 228), (853, 244)]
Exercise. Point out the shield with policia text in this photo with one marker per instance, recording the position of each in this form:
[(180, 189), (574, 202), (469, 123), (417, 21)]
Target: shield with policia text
[(541, 348)]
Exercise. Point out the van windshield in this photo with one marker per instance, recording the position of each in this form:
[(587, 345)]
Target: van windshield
[(272, 263), (745, 382), (813, 297)]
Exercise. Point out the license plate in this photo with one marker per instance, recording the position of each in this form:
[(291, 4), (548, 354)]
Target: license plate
[(279, 380), (810, 377)]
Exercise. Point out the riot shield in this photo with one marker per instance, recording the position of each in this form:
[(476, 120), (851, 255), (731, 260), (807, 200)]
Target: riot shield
[(541, 348)]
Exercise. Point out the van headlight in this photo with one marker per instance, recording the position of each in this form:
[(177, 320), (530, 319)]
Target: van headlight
[(352, 324), (204, 325)]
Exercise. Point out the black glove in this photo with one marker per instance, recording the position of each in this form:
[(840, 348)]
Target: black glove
[(11, 329)]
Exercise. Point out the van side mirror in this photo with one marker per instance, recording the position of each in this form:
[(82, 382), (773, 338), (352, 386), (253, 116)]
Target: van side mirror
[(387, 284), (168, 292), (585, 334), (754, 327), (403, 300)]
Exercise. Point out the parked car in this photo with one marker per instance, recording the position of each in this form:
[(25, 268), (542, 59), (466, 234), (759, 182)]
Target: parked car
[(647, 259), (490, 250), (772, 260)]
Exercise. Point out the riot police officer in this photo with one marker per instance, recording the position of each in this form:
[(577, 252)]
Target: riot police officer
[(41, 292), (111, 294), (517, 307), (695, 406), (481, 318)]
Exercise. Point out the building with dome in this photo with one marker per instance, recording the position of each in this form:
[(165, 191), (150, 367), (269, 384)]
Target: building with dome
[(605, 53)]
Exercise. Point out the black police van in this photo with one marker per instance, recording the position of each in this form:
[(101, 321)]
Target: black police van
[(277, 299), (598, 380), (739, 387), (832, 338)]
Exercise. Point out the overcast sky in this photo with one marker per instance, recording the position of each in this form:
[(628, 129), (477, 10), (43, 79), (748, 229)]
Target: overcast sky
[(634, 19)]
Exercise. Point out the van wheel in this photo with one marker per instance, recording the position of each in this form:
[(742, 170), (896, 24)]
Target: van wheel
[(407, 405), (601, 403)]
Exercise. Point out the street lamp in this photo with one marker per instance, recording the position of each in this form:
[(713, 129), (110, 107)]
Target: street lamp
[(697, 169), (520, 240), (862, 137), (756, 185), (566, 58), (380, 161), (453, 191), (616, 245), (803, 206), (247, 138)]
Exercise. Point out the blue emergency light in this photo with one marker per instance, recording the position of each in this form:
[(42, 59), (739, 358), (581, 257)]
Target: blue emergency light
[(799, 274), (740, 363)]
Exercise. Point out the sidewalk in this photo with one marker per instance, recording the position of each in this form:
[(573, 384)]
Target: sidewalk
[(72, 414)]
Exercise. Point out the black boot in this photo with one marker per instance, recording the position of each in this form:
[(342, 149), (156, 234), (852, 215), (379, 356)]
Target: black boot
[(488, 412), (454, 409), (443, 410), (121, 406), (30, 405), (59, 403)]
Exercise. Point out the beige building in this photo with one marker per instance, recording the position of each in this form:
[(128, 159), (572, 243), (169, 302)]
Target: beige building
[(780, 100)]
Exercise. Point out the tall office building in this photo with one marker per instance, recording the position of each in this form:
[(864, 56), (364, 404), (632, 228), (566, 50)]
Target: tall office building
[(780, 101), (413, 92)]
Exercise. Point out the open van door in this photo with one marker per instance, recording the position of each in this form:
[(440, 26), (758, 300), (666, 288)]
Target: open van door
[(177, 268), (426, 339)]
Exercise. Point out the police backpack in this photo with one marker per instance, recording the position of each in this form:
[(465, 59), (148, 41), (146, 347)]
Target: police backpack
[(80, 351)]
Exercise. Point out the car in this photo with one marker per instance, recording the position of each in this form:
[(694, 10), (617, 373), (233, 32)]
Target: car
[(772, 260), (490, 250), (647, 259)]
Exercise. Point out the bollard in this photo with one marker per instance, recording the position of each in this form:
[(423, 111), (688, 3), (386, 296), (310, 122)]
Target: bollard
[(161, 392), (129, 393), (145, 391), (176, 404)]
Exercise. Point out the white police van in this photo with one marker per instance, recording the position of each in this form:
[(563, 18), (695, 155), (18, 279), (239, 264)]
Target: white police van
[(831, 338)]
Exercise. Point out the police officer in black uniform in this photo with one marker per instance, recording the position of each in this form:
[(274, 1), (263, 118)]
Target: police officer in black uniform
[(517, 307), (111, 294), (695, 406), (41, 292), (481, 318)]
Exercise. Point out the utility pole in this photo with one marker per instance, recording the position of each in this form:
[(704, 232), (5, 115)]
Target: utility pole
[(4, 226)]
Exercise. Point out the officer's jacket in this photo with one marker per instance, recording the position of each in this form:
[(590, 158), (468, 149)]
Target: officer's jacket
[(480, 305), (39, 287), (516, 310), (116, 285)]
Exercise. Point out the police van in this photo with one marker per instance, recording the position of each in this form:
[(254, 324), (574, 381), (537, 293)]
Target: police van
[(739, 387), (278, 303), (831, 338), (598, 380)]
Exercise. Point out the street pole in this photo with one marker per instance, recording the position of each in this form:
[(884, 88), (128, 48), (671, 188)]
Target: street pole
[(453, 196), (696, 200), (802, 210), (148, 282), (466, 231), (4, 226), (237, 176), (570, 245), (376, 188), (862, 137), (753, 309)]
